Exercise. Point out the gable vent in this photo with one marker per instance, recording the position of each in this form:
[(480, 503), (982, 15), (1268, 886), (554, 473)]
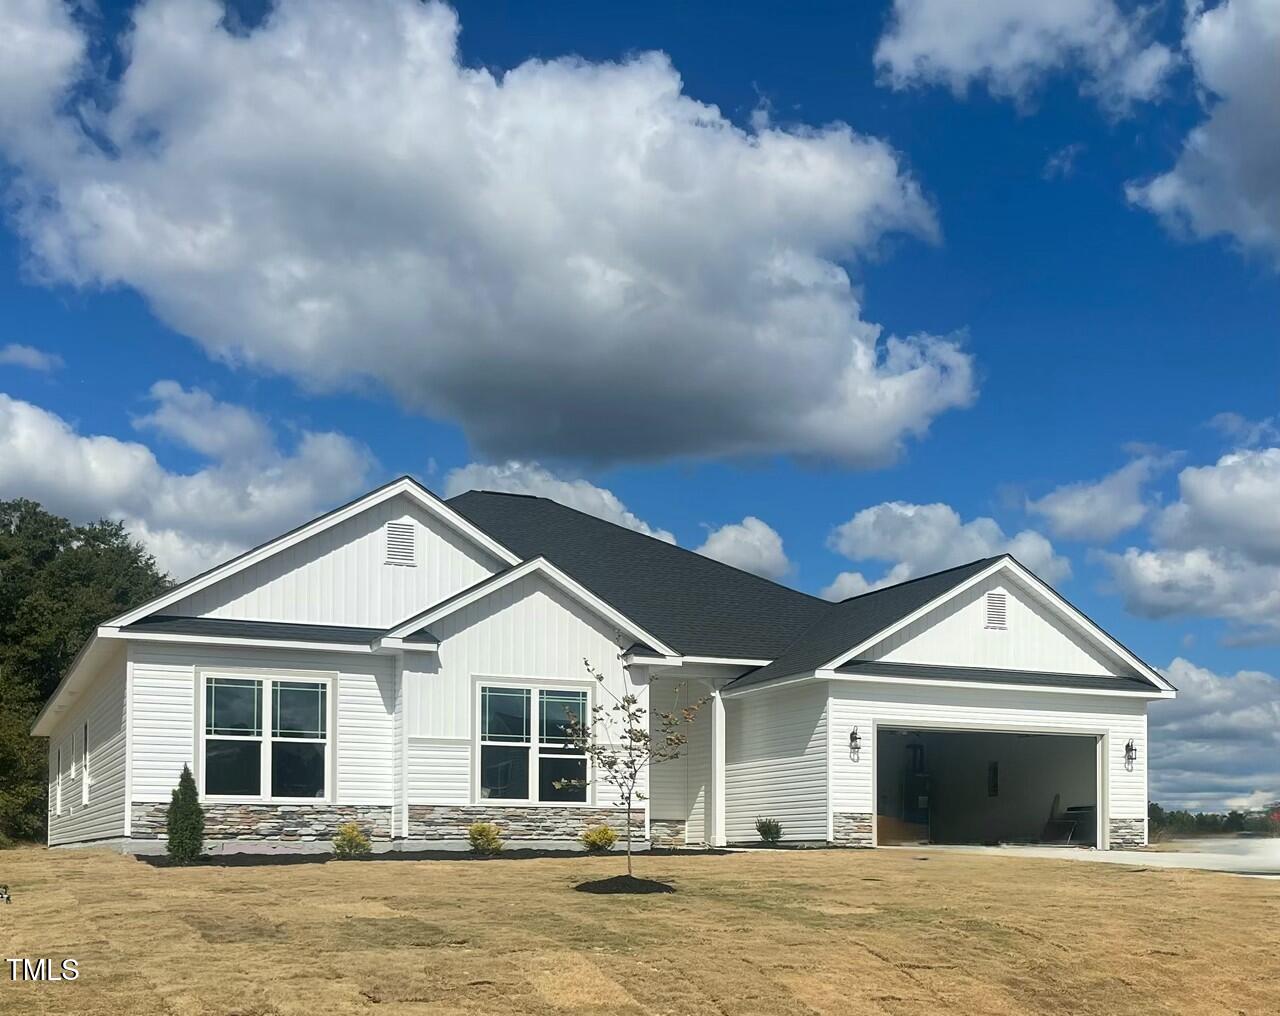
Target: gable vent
[(997, 611), (402, 545)]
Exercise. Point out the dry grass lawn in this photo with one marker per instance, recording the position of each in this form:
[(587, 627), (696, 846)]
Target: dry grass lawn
[(844, 932)]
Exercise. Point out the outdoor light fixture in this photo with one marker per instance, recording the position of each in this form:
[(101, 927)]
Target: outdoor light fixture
[(1130, 754), (855, 744)]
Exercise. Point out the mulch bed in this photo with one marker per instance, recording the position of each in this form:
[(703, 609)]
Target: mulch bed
[(628, 884)]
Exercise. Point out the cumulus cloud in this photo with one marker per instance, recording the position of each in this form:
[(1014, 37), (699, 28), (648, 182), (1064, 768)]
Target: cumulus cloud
[(17, 355), (1101, 510), (918, 539), (570, 259), (1215, 551), (1226, 181), (188, 520), (1011, 46), (195, 419), (751, 545), (1217, 745), (532, 478)]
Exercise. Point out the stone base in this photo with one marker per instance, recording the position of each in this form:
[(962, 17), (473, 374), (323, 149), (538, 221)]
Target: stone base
[(1127, 832), (546, 823), (282, 823), (851, 829), (667, 832)]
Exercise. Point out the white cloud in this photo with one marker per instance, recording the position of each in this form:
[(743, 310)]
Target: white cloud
[(1227, 178), (920, 539), (1218, 744), (1062, 163), (1216, 550), (1011, 46), (193, 418), (568, 259), (751, 545), (188, 520), (16, 355), (1244, 432), (1102, 510), (531, 478)]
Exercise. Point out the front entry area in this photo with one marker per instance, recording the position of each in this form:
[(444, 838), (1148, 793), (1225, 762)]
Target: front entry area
[(988, 787)]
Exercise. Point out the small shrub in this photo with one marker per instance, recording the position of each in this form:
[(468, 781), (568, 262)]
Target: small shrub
[(184, 821), (769, 830), (599, 839), (350, 841), (485, 839)]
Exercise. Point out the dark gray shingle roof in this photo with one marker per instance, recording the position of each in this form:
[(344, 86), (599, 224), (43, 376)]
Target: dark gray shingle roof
[(217, 627), (1032, 678)]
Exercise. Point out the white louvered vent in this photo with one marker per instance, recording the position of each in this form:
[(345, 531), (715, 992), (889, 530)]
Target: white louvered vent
[(402, 545), (997, 611)]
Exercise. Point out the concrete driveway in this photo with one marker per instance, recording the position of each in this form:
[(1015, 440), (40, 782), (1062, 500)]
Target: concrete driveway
[(1259, 857)]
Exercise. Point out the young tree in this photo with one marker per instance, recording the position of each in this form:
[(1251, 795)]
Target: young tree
[(620, 747), (184, 822)]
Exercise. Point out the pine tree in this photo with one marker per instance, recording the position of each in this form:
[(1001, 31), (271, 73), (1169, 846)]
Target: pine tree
[(185, 820)]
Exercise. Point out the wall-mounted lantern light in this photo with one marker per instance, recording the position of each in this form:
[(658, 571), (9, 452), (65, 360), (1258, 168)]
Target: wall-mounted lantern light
[(1130, 754), (855, 744)]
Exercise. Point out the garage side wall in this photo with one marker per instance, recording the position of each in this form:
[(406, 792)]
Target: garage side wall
[(865, 705)]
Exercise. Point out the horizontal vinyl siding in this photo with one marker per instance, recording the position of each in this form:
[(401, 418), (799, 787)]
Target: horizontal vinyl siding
[(776, 762), (439, 772), (164, 704), (864, 705), (103, 817), (340, 576)]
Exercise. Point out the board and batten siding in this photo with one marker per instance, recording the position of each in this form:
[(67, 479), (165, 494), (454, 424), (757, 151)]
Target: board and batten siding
[(341, 576), (528, 630), (680, 788), (776, 762), (103, 817), (1035, 637), (164, 713), (866, 705)]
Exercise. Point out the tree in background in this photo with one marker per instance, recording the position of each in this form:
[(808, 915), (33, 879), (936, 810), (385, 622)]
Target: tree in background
[(58, 582)]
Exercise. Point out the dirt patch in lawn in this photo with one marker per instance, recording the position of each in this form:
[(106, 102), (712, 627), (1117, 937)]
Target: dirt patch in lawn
[(625, 885), (848, 932)]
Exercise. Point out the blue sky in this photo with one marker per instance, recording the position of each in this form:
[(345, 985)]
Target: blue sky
[(1096, 290)]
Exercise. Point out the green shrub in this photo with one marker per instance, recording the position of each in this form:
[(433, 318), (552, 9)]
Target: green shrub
[(485, 839), (185, 821), (769, 830), (350, 842), (599, 839)]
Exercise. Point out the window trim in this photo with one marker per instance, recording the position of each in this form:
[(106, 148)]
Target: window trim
[(534, 685), (84, 764), (57, 783), (267, 679)]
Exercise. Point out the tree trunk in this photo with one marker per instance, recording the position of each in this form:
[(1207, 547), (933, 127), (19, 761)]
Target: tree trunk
[(627, 819)]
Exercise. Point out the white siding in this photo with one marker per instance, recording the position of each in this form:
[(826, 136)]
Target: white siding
[(439, 771), (865, 705), (164, 719), (340, 576), (103, 707), (527, 630), (1037, 638), (680, 788), (776, 762)]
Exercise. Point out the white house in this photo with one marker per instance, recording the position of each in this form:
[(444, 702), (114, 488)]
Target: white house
[(409, 663)]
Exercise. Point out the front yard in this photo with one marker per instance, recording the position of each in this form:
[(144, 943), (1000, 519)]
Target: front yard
[(845, 932)]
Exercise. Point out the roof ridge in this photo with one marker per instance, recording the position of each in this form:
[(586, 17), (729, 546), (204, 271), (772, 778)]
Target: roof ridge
[(636, 532)]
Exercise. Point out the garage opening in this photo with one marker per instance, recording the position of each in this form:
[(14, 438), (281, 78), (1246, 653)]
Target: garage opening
[(936, 786)]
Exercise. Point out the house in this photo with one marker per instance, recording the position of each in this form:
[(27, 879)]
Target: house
[(409, 663)]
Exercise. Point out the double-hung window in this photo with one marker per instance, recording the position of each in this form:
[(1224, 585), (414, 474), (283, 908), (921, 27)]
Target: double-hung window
[(527, 752), (266, 738)]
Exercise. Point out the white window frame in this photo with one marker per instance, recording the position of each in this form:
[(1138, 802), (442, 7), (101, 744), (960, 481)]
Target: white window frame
[(266, 679), (84, 763), (534, 686)]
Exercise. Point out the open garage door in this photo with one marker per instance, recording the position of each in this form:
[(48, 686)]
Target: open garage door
[(972, 786)]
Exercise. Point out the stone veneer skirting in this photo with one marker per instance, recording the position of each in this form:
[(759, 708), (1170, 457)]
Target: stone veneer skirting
[(851, 829), (667, 832), (546, 822), (1127, 832), (286, 823)]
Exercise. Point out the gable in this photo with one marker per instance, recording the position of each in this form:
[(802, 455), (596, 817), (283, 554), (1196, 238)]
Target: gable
[(340, 575), (1036, 637)]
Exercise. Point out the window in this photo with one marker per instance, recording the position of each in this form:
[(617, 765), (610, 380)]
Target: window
[(266, 737), (997, 611), (84, 764), (526, 746), (401, 543)]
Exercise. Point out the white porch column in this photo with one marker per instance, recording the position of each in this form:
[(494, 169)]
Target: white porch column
[(716, 836)]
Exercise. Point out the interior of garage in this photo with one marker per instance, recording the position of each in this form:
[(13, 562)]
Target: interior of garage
[(935, 786)]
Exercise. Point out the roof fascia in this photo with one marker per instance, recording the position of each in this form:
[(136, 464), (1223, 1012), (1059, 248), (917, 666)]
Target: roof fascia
[(995, 686)]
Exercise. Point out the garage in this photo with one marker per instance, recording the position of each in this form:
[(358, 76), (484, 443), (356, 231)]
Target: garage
[(977, 786)]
